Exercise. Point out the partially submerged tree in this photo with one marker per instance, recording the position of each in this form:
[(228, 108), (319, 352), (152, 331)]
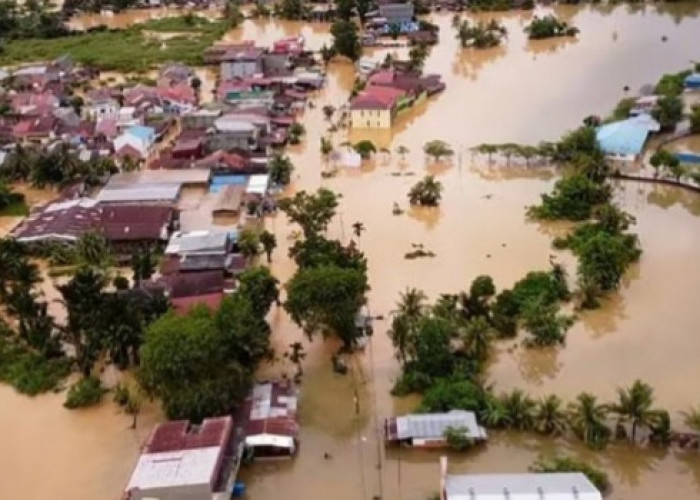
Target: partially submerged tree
[(365, 148), (280, 170), (312, 212), (346, 41), (438, 149), (426, 192)]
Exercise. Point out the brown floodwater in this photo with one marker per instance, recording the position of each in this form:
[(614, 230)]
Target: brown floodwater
[(522, 92)]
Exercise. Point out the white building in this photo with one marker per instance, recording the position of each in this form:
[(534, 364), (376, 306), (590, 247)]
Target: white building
[(527, 486), (184, 462)]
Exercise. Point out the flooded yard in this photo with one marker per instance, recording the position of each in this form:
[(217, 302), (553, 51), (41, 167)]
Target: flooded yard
[(521, 92)]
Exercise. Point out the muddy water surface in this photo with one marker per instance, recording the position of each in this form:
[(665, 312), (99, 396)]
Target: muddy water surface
[(523, 92)]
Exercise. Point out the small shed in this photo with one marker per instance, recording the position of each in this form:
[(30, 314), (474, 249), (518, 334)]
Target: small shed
[(229, 200), (427, 430)]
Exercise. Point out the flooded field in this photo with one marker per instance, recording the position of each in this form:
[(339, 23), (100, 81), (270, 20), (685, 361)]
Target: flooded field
[(522, 92)]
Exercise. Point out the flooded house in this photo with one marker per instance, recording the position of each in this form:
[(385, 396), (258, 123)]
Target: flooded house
[(625, 139), (375, 107), (185, 461), (525, 486), (241, 62), (268, 420), (396, 13), (427, 430)]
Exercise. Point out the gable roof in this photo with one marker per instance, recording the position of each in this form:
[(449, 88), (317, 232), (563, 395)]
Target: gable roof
[(376, 97), (544, 486), (135, 222)]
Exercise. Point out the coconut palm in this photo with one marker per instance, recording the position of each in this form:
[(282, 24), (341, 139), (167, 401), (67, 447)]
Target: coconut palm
[(401, 335), (691, 418), (248, 244), (358, 228), (550, 417), (587, 420), (520, 409), (412, 303), (634, 406), (427, 192), (477, 338)]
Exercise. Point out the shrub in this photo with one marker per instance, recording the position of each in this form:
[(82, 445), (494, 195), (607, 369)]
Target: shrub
[(85, 392)]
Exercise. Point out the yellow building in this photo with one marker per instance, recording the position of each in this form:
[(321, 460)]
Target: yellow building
[(375, 107)]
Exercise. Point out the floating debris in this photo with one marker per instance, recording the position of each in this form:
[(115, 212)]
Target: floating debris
[(418, 253), (397, 209)]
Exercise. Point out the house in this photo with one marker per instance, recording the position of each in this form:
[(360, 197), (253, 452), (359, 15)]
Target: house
[(233, 133), (63, 222), (428, 430), (268, 420), (166, 193), (213, 54), (240, 62), (139, 137), (129, 226), (200, 118), (293, 45), (375, 107), (423, 37), (187, 290), (229, 201), (625, 139), (200, 243), (101, 105), (248, 98), (527, 486), (177, 99), (39, 129), (644, 105), (184, 461), (396, 13)]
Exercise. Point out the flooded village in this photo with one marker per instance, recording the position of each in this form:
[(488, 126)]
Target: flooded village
[(195, 169)]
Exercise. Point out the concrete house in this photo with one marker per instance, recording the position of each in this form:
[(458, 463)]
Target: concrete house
[(428, 430), (241, 62), (375, 107), (186, 462), (233, 133)]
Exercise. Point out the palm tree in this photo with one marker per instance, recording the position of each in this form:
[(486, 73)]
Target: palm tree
[(19, 163), (427, 192), (326, 147), (587, 420), (550, 417), (691, 418), (477, 338), (92, 249), (412, 303), (520, 409), (269, 242), (635, 406), (358, 228)]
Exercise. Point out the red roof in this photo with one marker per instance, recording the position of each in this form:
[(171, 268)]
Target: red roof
[(377, 98), (128, 150), (134, 222), (179, 93), (183, 305), (178, 435)]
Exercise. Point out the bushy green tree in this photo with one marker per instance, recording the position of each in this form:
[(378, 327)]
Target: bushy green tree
[(574, 197), (668, 111), (280, 169), (260, 288), (313, 212), (346, 41)]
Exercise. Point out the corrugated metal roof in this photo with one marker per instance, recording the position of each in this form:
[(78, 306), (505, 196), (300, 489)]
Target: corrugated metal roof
[(540, 486), (433, 425), (140, 192), (198, 241)]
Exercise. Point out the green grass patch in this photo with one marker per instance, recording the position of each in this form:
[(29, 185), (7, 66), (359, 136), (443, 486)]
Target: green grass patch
[(28, 372), (129, 50), (16, 209)]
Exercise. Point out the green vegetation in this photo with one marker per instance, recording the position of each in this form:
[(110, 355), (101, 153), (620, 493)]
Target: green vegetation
[(549, 27), (426, 192), (59, 167), (11, 203), (668, 111), (567, 464), (29, 20), (573, 198), (457, 438), (671, 84), (87, 391), (27, 371), (623, 108), (481, 36), (328, 289), (695, 120), (438, 149), (202, 364), (346, 41), (129, 50), (280, 169), (365, 149)]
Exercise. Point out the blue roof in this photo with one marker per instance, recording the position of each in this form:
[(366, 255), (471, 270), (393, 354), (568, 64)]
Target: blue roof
[(626, 137), (218, 182), (142, 132), (692, 81)]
